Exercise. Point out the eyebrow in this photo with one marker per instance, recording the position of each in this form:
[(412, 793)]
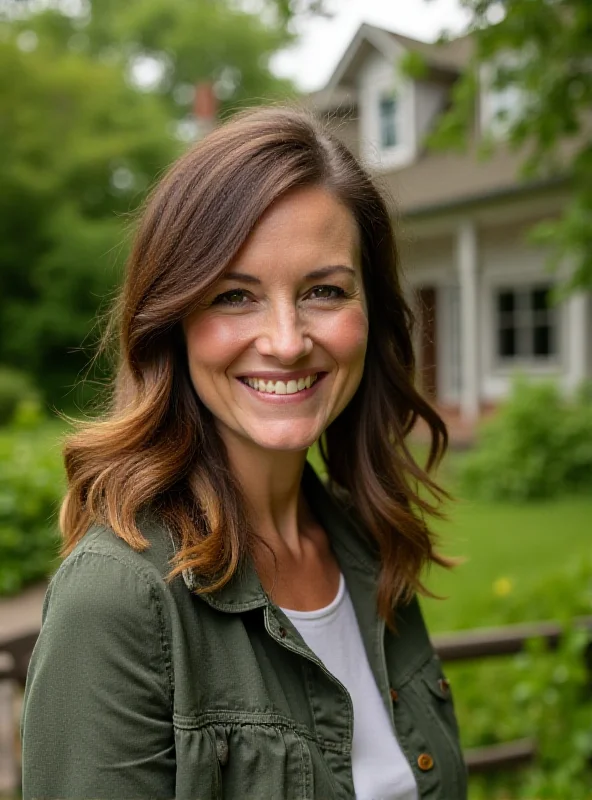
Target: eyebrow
[(316, 274)]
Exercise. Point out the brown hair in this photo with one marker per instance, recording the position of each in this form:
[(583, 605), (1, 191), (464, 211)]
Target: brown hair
[(157, 446)]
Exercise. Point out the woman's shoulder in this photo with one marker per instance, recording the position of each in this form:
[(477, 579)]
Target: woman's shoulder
[(101, 541), (104, 573)]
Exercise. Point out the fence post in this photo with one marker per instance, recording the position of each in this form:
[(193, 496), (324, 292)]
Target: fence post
[(9, 778)]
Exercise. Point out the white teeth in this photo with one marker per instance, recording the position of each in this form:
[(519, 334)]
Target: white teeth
[(281, 387)]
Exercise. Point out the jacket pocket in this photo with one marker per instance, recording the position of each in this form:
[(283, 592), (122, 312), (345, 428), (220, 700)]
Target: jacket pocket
[(441, 692)]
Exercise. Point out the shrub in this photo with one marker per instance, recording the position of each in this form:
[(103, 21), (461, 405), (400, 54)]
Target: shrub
[(537, 446), (539, 693), (31, 486), (16, 387)]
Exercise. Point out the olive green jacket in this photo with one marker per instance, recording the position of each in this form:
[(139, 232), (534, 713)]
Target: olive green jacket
[(141, 689)]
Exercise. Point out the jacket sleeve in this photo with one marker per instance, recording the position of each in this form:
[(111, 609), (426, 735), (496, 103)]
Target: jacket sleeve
[(97, 715)]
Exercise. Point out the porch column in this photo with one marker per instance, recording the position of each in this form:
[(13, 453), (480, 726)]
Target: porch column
[(468, 271), (577, 340)]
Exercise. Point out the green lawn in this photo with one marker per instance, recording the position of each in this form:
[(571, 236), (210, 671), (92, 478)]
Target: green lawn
[(508, 550)]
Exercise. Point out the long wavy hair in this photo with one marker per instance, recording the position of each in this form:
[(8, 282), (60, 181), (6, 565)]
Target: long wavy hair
[(155, 446)]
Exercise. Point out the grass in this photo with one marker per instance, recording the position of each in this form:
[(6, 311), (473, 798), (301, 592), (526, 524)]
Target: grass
[(508, 549)]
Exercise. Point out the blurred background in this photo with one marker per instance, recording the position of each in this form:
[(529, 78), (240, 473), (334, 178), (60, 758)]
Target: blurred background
[(474, 116)]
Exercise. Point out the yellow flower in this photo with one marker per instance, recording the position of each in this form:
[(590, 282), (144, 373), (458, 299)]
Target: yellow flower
[(502, 587)]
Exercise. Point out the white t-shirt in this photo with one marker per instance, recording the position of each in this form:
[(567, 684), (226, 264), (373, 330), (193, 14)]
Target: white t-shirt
[(380, 770)]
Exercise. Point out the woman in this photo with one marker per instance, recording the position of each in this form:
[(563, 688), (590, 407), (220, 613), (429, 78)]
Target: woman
[(224, 625)]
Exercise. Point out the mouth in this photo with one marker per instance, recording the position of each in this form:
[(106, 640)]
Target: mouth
[(292, 386)]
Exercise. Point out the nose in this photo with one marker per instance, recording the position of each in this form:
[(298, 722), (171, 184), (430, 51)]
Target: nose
[(284, 336)]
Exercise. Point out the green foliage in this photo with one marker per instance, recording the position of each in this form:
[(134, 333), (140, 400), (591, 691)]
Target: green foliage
[(541, 49), (536, 446), (31, 487), (414, 65), (16, 388), (194, 42), (540, 693), (71, 128)]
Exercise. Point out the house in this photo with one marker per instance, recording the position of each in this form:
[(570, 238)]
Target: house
[(481, 291)]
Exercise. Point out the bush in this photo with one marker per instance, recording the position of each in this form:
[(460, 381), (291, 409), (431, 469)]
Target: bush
[(539, 693), (16, 387), (31, 486), (537, 446)]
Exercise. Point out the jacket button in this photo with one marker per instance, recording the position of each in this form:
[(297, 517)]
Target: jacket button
[(444, 685), (222, 752), (425, 762), (282, 632), (394, 695)]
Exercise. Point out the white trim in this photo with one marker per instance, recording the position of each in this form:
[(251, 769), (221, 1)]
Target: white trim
[(378, 77), (448, 343), (578, 344), (468, 269), (381, 40)]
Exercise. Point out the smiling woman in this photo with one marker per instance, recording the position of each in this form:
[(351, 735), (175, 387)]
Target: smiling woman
[(224, 625)]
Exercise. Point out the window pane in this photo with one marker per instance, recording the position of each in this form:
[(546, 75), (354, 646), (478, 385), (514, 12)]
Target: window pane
[(542, 341), (540, 299), (507, 342), (506, 302), (388, 121)]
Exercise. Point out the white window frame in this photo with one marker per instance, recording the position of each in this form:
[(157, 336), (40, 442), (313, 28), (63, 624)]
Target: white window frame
[(527, 319), (498, 108), (381, 79)]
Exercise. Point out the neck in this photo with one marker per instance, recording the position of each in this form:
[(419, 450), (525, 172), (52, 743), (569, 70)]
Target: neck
[(270, 482)]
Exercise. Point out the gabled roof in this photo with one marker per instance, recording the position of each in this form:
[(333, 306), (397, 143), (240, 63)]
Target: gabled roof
[(453, 55), (448, 57)]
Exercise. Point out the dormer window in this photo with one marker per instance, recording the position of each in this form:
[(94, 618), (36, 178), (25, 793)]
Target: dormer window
[(387, 114), (500, 106), (388, 121)]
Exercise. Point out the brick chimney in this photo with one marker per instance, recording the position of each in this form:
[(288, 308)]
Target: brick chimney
[(205, 106)]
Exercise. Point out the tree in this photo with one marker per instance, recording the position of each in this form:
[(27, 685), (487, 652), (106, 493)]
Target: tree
[(542, 48), (82, 138), (79, 147)]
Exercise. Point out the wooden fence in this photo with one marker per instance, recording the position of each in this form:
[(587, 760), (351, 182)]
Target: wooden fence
[(15, 652)]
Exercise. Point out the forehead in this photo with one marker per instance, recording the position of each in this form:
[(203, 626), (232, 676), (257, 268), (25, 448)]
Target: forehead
[(308, 227)]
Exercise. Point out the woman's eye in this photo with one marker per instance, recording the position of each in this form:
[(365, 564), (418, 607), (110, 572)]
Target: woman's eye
[(235, 297), (326, 292)]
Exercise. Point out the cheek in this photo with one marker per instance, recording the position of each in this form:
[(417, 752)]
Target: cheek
[(213, 343), (347, 337)]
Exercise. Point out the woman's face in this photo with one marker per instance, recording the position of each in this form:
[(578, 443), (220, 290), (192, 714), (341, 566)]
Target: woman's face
[(278, 350)]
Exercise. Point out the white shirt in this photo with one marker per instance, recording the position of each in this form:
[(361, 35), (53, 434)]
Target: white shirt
[(380, 770)]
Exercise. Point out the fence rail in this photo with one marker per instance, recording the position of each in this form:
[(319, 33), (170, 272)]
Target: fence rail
[(472, 645), (15, 652)]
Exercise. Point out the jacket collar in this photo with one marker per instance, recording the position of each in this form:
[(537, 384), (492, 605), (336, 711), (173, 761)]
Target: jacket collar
[(352, 548)]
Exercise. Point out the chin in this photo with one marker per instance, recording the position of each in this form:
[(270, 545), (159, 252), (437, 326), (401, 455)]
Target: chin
[(287, 443)]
